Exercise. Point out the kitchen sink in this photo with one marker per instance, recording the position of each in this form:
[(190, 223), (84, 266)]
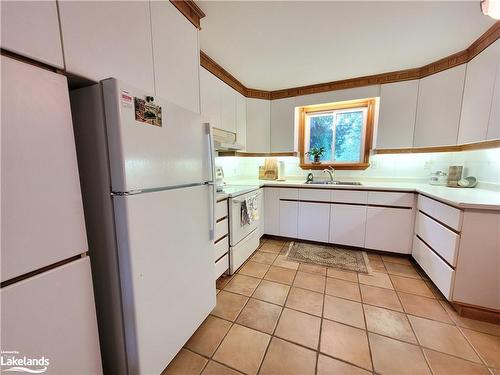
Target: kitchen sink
[(333, 183)]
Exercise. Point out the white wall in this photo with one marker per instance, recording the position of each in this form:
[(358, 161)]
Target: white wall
[(483, 164)]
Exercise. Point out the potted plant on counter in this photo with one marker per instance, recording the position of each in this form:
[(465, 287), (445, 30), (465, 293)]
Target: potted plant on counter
[(316, 153)]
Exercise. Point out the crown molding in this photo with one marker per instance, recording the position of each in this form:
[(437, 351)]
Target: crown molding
[(462, 57), (190, 10)]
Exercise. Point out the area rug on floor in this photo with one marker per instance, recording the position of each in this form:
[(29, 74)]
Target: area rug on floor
[(330, 256)]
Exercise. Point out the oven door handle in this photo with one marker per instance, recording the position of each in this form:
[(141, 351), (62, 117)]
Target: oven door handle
[(236, 201)]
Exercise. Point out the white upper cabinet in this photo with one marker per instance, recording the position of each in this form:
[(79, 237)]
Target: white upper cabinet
[(210, 98), (218, 102), (398, 107), (103, 39), (241, 120), (478, 94), (494, 122), (31, 29), (438, 108), (228, 107), (283, 125), (176, 56), (258, 125)]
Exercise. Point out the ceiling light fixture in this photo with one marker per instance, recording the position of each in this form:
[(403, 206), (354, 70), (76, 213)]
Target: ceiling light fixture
[(491, 8)]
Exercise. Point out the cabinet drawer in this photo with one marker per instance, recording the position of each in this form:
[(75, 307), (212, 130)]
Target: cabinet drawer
[(242, 251), (221, 248), (220, 229), (221, 209), (349, 196), (448, 215), (444, 241), (286, 193), (318, 195), (221, 266), (439, 272), (395, 199)]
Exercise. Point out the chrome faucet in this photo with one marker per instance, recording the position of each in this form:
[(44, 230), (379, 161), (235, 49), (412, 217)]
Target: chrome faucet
[(331, 172)]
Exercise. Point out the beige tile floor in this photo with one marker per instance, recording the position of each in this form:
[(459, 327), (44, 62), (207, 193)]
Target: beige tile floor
[(277, 317)]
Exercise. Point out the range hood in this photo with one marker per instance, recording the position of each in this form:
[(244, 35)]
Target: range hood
[(225, 140)]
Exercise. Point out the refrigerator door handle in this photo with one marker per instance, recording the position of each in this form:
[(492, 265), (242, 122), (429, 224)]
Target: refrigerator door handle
[(211, 183)]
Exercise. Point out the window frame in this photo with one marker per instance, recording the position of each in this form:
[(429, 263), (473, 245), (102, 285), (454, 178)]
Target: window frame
[(366, 142)]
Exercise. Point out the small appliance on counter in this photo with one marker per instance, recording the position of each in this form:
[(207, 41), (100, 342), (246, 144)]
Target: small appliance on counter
[(454, 175), (439, 178), (281, 171)]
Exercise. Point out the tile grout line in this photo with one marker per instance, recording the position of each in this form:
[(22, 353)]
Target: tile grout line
[(320, 329), (472, 346), (366, 327), (415, 334), (276, 326)]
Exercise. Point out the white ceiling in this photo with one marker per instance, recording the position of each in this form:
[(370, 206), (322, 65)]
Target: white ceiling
[(273, 45)]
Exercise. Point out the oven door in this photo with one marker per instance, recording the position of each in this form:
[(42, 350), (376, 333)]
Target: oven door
[(239, 229)]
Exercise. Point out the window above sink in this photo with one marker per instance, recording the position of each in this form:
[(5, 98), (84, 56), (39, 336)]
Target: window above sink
[(342, 131)]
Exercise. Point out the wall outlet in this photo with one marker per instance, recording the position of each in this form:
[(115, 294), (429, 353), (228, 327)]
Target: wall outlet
[(427, 165)]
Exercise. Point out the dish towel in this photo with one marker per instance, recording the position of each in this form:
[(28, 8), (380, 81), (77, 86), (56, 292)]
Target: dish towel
[(244, 215), (252, 208)]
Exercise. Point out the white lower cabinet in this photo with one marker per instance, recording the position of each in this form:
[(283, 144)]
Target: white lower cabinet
[(272, 211), (313, 221), (389, 229), (347, 225), (288, 215)]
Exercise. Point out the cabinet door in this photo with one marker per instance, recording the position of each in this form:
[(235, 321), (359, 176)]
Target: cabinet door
[(478, 94), (53, 314), (176, 56), (258, 125), (262, 217), (228, 107), (241, 120), (389, 229), (31, 29), (42, 210), (289, 211), (210, 98), (347, 224), (398, 107), (438, 108), (272, 211), (283, 125), (494, 121), (103, 39), (314, 221)]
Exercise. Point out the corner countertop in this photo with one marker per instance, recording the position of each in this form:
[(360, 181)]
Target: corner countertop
[(463, 198)]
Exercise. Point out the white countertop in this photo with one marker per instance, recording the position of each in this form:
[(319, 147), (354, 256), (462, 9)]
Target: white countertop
[(464, 198)]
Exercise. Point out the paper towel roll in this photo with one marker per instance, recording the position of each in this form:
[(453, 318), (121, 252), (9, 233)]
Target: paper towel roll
[(281, 171)]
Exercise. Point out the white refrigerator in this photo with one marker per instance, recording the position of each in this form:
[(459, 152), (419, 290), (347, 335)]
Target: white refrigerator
[(146, 171), (47, 300)]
